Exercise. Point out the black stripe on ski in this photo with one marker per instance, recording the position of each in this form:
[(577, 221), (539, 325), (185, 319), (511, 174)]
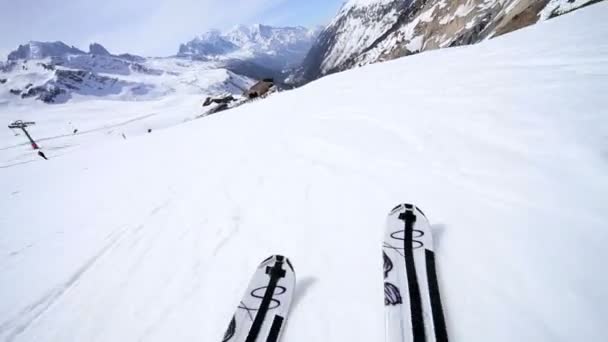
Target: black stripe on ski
[(275, 272), (266, 260), (412, 280), (289, 264), (275, 329), (420, 210), (396, 208), (441, 333)]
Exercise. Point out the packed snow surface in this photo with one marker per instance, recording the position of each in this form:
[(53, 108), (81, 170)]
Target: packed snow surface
[(504, 145)]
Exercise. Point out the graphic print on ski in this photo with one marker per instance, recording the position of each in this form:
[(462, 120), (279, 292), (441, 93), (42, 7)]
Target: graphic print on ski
[(413, 310), (261, 313)]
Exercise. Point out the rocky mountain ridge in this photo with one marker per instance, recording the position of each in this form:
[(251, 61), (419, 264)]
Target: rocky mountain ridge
[(53, 71), (57, 73), (273, 47), (42, 50), (369, 31)]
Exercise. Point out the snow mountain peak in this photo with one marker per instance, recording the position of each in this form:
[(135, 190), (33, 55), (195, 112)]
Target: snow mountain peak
[(208, 44), (36, 50), (272, 47), (41, 50)]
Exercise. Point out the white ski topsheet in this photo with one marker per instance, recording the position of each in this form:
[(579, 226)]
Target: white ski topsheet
[(412, 304), (249, 306)]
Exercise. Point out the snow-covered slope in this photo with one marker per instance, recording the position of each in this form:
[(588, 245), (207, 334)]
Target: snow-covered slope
[(368, 31), (271, 47), (56, 76), (503, 144)]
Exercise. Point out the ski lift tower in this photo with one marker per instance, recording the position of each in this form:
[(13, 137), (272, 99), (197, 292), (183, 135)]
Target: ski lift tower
[(23, 125)]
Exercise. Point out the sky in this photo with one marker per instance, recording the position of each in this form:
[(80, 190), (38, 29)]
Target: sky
[(146, 27)]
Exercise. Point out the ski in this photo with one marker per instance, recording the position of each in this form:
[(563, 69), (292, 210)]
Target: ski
[(262, 312), (413, 309)]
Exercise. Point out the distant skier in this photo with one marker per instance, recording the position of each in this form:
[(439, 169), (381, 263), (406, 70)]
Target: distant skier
[(40, 153)]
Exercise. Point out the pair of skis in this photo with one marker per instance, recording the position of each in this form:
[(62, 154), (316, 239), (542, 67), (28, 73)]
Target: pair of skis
[(413, 308)]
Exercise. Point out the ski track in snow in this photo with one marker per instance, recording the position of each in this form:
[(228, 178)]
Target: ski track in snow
[(154, 237), (15, 326), (135, 245)]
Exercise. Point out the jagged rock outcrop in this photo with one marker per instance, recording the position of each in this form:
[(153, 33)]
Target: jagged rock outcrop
[(47, 93), (369, 31), (98, 49), (226, 99), (67, 82), (41, 50)]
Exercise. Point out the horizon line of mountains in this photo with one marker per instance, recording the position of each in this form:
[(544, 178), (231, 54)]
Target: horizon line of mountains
[(275, 48), (363, 32)]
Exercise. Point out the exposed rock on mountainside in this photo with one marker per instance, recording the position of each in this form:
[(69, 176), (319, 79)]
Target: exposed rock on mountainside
[(368, 31), (67, 82), (218, 100), (98, 49)]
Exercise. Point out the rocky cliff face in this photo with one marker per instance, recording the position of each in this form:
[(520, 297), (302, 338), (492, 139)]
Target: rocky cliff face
[(369, 31), (98, 49)]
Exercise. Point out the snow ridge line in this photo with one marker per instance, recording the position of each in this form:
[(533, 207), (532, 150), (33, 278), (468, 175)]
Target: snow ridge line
[(19, 323)]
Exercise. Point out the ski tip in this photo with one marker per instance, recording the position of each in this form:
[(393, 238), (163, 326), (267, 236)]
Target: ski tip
[(404, 206), (274, 258), (396, 209)]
